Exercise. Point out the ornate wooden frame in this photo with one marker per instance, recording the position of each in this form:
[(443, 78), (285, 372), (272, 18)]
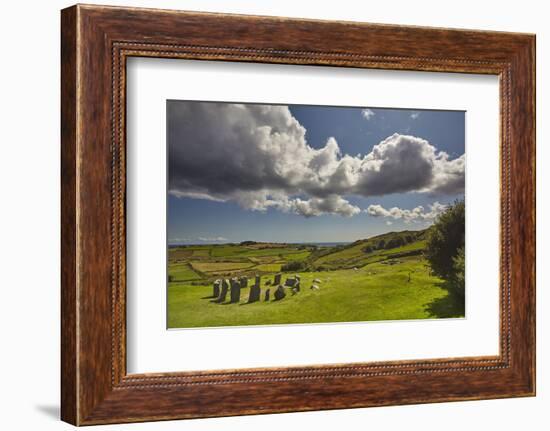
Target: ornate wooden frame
[(96, 41)]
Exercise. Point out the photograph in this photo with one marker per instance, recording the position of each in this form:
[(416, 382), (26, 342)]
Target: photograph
[(302, 214)]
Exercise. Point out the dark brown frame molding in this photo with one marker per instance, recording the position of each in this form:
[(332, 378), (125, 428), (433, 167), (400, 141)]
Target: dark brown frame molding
[(95, 43)]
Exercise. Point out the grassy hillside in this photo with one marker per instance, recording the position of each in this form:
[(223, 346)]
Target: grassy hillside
[(373, 249), (380, 278)]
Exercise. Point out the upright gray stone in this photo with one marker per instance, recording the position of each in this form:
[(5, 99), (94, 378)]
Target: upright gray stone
[(256, 290), (267, 295), (216, 288), (224, 289), (290, 282), (255, 293), (279, 293), (244, 282), (235, 290), (277, 279)]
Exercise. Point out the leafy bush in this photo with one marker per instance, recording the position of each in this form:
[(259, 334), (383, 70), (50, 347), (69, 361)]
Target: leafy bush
[(368, 249), (394, 243), (294, 266)]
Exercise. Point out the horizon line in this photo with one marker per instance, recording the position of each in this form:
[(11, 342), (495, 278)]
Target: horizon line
[(180, 243)]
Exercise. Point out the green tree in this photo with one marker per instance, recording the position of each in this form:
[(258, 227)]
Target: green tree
[(445, 246), (458, 280), (294, 265)]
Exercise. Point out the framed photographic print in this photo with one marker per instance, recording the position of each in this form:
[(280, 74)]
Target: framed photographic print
[(266, 215)]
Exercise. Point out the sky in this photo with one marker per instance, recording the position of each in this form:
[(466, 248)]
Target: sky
[(298, 173)]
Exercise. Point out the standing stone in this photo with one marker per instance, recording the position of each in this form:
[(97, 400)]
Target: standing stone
[(224, 289), (216, 290), (290, 282), (235, 290), (255, 293), (279, 293), (244, 282), (267, 295), (258, 280), (277, 279)]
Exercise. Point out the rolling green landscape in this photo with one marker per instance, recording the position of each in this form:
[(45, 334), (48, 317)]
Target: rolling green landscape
[(386, 277)]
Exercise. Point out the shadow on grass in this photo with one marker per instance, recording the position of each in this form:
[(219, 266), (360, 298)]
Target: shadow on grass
[(214, 300), (451, 305), (253, 302)]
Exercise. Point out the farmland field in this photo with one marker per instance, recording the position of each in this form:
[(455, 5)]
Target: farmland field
[(380, 278), (182, 272), (219, 267)]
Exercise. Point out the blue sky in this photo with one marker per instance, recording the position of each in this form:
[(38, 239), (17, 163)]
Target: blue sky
[(308, 173)]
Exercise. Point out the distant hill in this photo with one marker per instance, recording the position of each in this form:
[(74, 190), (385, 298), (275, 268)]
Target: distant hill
[(389, 245), (259, 245)]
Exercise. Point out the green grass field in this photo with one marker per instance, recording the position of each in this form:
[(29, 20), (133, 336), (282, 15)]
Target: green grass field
[(356, 283), (182, 272)]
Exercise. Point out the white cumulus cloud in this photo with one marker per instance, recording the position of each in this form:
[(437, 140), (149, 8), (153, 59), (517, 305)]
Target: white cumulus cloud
[(213, 239), (416, 214), (173, 240), (258, 157), (367, 113)]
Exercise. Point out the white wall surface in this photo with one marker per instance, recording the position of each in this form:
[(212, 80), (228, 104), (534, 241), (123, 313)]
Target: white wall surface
[(29, 216)]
